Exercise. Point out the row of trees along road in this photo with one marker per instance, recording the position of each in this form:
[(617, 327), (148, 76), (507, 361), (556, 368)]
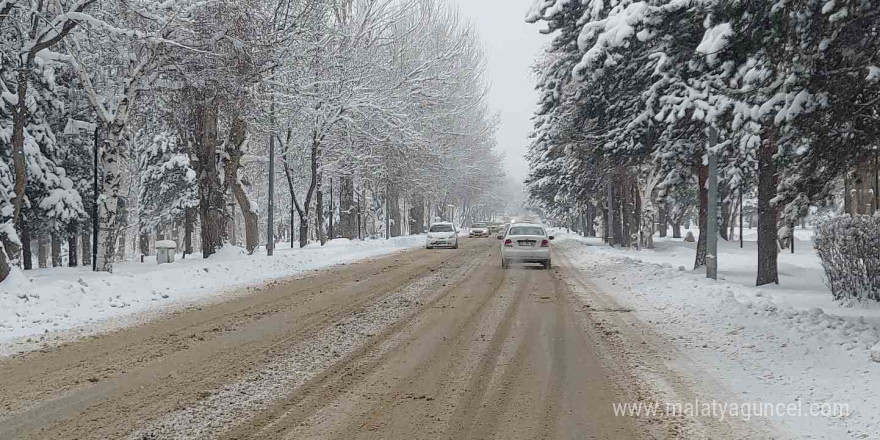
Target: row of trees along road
[(383, 99), (629, 91)]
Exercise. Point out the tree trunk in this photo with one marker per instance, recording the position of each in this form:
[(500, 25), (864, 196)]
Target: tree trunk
[(43, 252), (56, 250), (20, 113), (112, 160), (235, 147), (292, 225), (144, 243), (647, 209), (726, 213), (731, 222), (188, 219), (176, 234), (358, 215), (591, 218), (662, 218), (71, 251), (767, 232), (230, 221), (347, 209), (676, 228), (303, 231), (702, 177), (251, 226), (417, 215), (632, 213), (589, 213), (10, 254), (625, 211), (301, 210), (394, 210), (86, 240), (120, 249), (26, 254), (319, 210), (5, 262), (610, 208), (211, 203)]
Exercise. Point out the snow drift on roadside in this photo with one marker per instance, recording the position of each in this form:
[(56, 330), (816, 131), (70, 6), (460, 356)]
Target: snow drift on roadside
[(772, 344), (57, 299)]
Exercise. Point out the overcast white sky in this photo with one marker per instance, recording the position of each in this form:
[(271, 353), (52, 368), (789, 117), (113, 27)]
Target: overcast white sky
[(511, 47)]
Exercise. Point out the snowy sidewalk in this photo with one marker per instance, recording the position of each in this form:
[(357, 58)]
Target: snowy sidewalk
[(35, 305), (774, 344)]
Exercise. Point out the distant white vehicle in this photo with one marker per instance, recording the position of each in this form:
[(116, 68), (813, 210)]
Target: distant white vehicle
[(525, 243), (442, 234), (479, 230)]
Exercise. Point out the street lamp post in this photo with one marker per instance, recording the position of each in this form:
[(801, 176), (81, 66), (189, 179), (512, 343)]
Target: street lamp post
[(95, 205), (387, 205), (331, 209), (270, 222)]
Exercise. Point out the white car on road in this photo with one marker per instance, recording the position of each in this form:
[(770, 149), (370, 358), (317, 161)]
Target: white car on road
[(525, 243), (479, 230), (442, 234)]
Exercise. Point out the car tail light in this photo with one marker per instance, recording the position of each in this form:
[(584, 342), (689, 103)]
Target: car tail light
[(508, 243), (545, 243)]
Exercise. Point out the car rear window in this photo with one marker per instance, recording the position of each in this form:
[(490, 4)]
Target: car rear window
[(441, 228), (526, 230)]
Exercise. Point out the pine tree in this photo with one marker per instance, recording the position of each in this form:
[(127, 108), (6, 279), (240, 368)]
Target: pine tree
[(167, 181)]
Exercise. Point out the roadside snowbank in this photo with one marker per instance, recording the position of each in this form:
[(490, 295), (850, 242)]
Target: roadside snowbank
[(773, 344), (41, 301)]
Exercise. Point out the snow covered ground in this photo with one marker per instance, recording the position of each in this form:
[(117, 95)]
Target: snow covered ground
[(772, 344), (35, 306)]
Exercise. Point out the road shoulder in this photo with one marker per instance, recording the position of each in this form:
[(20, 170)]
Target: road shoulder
[(648, 368)]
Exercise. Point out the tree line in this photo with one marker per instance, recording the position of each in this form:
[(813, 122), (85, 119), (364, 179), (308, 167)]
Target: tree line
[(634, 96), (172, 111)]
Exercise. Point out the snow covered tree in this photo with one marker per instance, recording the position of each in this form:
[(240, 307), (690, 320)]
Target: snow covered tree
[(641, 82), (29, 30), (386, 99), (167, 181)]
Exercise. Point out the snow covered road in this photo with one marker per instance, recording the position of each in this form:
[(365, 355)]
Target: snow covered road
[(419, 344)]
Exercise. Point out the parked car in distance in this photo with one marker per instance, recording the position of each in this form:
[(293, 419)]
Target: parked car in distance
[(442, 234), (494, 228), (525, 243), (479, 230)]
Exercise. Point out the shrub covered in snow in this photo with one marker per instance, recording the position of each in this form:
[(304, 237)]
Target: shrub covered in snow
[(849, 247)]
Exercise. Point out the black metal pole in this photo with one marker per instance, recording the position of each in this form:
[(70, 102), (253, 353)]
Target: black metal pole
[(331, 209), (270, 234), (360, 237), (95, 205)]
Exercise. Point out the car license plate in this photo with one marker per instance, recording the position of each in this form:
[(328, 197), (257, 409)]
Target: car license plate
[(528, 243)]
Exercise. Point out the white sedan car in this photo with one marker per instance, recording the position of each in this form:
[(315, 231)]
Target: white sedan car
[(479, 230), (525, 243), (442, 235)]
